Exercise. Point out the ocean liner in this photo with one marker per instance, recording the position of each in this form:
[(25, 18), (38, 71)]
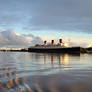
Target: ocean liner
[(60, 47)]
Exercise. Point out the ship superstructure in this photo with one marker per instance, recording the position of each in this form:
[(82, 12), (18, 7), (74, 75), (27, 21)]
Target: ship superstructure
[(61, 44)]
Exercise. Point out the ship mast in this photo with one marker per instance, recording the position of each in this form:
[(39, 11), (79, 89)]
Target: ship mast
[(69, 41)]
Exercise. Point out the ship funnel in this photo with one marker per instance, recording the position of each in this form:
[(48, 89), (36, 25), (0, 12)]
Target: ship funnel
[(60, 41), (52, 42), (45, 42)]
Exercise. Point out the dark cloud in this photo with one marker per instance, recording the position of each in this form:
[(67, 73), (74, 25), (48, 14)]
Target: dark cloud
[(74, 15), (63, 15)]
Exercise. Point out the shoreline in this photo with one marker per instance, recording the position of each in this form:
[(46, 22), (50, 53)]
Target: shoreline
[(82, 50)]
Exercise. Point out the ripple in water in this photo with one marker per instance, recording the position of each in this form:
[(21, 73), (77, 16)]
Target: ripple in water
[(45, 72)]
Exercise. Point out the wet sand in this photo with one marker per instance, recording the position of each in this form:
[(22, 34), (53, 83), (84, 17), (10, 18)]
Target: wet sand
[(33, 72)]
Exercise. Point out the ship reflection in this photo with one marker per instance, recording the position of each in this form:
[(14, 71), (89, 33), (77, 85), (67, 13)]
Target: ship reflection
[(55, 59), (60, 59)]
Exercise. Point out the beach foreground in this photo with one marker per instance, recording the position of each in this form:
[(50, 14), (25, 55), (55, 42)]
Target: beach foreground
[(45, 72)]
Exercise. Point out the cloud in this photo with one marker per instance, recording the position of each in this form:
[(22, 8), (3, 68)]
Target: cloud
[(70, 15), (66, 15), (83, 42), (11, 38)]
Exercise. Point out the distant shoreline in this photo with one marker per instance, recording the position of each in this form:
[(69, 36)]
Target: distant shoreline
[(86, 50)]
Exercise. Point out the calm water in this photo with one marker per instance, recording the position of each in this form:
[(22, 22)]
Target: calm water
[(42, 72)]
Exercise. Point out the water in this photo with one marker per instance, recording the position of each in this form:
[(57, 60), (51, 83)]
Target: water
[(43, 72)]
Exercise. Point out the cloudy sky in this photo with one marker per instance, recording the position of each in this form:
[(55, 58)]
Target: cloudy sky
[(48, 19)]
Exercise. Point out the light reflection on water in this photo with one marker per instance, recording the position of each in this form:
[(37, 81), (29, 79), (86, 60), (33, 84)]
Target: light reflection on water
[(45, 72)]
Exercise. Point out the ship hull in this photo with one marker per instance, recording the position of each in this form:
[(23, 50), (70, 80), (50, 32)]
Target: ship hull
[(56, 50)]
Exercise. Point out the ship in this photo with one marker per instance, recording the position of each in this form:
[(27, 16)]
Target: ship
[(60, 47)]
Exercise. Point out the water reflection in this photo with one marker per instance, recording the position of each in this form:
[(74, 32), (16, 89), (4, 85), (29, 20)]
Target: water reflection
[(61, 59), (43, 72), (10, 82), (40, 61), (9, 79)]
